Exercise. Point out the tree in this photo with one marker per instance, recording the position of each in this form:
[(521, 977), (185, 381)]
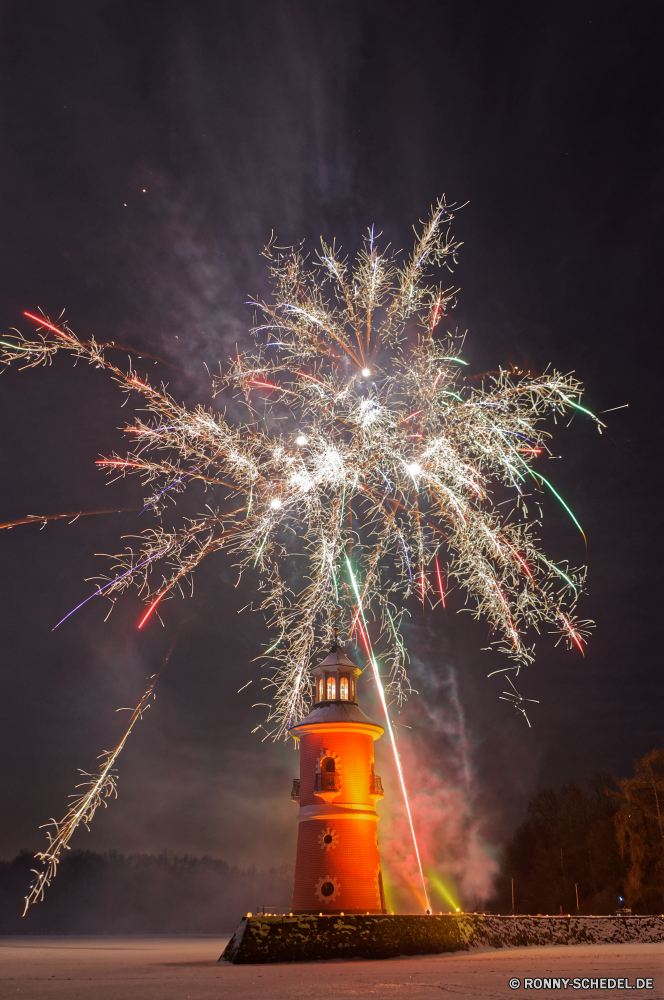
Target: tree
[(568, 838), (640, 833)]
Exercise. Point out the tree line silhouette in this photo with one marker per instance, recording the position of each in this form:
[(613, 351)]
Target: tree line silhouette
[(602, 844), (139, 894)]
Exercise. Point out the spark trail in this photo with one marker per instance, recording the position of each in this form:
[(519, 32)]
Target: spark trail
[(99, 789)]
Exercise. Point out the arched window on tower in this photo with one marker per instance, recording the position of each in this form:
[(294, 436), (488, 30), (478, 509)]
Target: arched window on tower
[(343, 688), (331, 689), (327, 778), (321, 688)]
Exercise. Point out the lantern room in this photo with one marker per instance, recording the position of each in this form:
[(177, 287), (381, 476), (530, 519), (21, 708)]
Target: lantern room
[(336, 678)]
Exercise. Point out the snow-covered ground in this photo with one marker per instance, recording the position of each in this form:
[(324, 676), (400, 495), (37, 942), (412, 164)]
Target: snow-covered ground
[(40, 968)]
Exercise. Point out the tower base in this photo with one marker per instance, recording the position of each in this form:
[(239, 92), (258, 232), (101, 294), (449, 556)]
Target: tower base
[(307, 938)]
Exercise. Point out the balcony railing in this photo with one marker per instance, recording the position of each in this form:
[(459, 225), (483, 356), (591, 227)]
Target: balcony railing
[(327, 781), (295, 790), (375, 785)]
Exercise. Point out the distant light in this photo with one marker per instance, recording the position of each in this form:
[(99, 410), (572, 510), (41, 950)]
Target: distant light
[(301, 439), (366, 372), (458, 909), (275, 504), (414, 468)]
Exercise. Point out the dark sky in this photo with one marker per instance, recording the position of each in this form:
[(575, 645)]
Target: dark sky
[(148, 150)]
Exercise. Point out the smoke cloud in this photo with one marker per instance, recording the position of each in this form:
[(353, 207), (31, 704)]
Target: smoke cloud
[(445, 799)]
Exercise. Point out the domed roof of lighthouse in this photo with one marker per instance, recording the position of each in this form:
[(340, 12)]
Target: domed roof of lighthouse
[(335, 699), (336, 657)]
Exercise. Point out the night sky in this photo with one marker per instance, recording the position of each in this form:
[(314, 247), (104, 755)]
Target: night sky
[(148, 151)]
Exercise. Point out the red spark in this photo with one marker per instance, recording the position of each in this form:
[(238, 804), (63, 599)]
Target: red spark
[(573, 635), (149, 611), (44, 322), (403, 421), (267, 385), (304, 375), (526, 567), (515, 634), (365, 637), (435, 314), (440, 582)]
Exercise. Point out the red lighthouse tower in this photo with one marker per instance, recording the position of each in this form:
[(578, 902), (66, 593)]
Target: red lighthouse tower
[(338, 862)]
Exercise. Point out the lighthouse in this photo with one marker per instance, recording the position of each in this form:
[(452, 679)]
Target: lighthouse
[(338, 862)]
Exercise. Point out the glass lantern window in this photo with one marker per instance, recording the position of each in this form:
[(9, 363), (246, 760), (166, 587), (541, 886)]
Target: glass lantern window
[(343, 688), (331, 688)]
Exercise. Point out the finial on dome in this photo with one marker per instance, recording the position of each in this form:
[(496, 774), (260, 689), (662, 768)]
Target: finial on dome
[(335, 629)]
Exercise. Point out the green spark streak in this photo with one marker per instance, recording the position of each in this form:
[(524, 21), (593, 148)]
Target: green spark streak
[(397, 637), (581, 408), (357, 593), (559, 572), (458, 361), (559, 498), (274, 646), (258, 554), (512, 468), (343, 501), (538, 475), (446, 392)]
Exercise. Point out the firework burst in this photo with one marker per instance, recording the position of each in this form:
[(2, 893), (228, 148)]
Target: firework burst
[(362, 441), (363, 451)]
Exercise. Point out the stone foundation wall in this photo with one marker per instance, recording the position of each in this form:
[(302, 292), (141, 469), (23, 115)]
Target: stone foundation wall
[(309, 938)]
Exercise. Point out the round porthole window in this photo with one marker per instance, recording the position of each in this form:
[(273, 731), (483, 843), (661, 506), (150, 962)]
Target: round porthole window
[(327, 889), (328, 838)]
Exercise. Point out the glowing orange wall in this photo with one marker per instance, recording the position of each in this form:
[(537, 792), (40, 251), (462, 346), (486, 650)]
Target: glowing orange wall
[(352, 862)]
